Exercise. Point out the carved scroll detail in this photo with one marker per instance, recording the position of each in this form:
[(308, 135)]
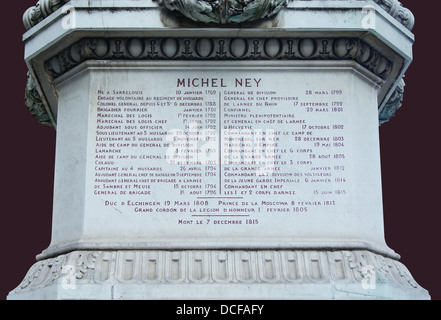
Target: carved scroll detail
[(35, 104), (39, 12)]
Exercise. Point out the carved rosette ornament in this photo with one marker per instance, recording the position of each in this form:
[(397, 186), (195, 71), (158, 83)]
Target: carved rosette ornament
[(225, 11)]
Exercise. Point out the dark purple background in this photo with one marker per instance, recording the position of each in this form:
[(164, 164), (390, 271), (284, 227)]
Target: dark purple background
[(409, 146)]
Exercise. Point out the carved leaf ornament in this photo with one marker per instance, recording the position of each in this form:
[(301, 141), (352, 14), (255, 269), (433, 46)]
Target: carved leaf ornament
[(225, 11)]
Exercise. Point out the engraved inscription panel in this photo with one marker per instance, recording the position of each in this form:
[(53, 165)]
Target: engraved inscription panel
[(230, 155)]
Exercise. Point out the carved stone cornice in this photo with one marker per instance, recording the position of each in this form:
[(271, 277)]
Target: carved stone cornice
[(340, 270), (138, 49), (220, 11), (233, 11), (219, 49)]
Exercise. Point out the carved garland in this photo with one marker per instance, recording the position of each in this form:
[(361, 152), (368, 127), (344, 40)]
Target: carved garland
[(225, 11)]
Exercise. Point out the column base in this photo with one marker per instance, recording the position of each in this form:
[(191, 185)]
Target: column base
[(218, 275)]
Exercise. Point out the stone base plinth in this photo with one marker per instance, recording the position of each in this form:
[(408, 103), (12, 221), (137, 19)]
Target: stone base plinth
[(237, 159), (265, 275)]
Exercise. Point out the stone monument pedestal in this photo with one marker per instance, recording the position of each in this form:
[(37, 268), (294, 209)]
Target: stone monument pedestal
[(231, 157)]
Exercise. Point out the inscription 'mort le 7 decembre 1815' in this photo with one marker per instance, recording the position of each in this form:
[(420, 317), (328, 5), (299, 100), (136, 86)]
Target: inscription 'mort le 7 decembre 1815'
[(219, 150)]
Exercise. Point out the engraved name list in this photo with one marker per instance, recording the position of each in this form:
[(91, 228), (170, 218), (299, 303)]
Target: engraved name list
[(221, 150)]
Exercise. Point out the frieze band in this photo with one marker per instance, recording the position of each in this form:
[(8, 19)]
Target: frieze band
[(219, 49), (222, 267)]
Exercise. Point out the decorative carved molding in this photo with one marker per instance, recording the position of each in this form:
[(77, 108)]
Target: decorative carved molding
[(393, 104), (219, 11), (218, 267), (234, 11), (219, 49), (213, 49), (397, 11), (225, 11), (41, 11), (35, 104)]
